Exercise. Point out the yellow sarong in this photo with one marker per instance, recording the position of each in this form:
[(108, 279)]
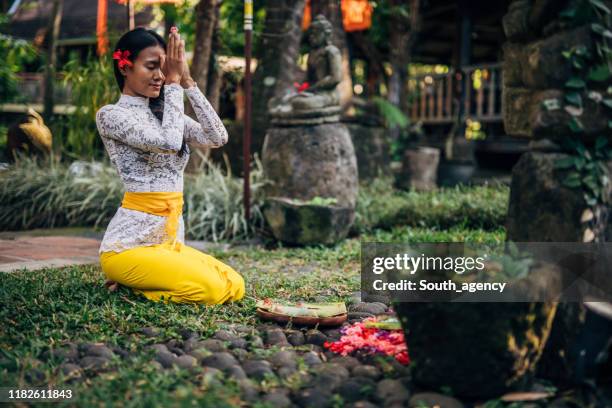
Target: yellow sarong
[(163, 272), (165, 204)]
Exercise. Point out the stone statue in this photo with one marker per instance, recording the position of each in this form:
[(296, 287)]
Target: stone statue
[(320, 102)]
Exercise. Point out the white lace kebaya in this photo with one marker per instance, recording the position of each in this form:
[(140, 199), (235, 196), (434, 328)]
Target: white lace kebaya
[(144, 152)]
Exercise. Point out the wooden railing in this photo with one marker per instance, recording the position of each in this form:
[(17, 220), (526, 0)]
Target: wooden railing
[(473, 92)]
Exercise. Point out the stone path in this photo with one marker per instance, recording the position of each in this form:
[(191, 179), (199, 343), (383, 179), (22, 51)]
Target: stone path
[(42, 252), (271, 364), (55, 248)]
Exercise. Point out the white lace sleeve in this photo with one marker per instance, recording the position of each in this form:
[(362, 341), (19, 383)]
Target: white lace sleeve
[(210, 130), (118, 123)]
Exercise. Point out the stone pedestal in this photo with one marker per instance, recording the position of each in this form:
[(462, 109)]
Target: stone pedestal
[(305, 162), (541, 209), (299, 223), (419, 169), (371, 148)]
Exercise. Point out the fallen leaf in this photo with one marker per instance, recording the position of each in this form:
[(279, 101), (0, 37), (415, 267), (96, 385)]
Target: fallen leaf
[(525, 396), (574, 111), (587, 215), (588, 235)]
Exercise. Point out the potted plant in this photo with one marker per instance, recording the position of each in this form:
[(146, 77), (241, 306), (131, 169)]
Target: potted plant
[(414, 165), (458, 164)]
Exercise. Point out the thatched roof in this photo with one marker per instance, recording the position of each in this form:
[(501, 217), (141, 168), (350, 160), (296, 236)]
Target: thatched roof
[(78, 20)]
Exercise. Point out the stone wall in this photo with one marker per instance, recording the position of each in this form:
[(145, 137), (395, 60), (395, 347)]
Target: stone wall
[(535, 70), (541, 207)]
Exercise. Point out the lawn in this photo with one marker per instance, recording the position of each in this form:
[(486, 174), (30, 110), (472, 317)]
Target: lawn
[(47, 309)]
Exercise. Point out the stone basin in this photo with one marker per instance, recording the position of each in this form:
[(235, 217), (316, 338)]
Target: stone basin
[(298, 222)]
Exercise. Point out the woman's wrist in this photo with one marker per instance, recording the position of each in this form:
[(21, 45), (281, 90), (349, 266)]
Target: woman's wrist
[(187, 82), (173, 80)]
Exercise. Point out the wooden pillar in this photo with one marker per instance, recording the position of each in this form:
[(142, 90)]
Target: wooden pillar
[(464, 23), (53, 33), (130, 14)]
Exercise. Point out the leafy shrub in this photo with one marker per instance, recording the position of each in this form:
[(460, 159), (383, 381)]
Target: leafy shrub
[(92, 86), (14, 54), (33, 195), (214, 203), (45, 196), (381, 206), (3, 136)]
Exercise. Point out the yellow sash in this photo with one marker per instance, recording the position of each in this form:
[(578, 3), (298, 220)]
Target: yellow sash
[(165, 204)]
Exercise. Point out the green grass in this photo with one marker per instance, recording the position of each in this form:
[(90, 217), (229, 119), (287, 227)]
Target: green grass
[(43, 309), (480, 207)]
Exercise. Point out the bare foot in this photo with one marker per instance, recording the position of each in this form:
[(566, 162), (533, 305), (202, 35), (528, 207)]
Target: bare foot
[(111, 285)]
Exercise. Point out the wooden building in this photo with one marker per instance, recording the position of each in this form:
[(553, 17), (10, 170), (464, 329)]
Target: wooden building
[(29, 20), (467, 37)]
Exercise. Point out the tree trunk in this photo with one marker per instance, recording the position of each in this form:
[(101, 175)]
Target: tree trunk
[(215, 73), (53, 32), (277, 67), (331, 10), (169, 11), (375, 69), (206, 16), (207, 12), (402, 32)]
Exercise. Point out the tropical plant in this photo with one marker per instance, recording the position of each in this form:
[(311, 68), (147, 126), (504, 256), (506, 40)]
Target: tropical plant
[(214, 203), (33, 195), (14, 54), (92, 86), (395, 118)]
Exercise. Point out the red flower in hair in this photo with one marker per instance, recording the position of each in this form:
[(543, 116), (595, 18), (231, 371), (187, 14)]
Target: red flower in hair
[(122, 56)]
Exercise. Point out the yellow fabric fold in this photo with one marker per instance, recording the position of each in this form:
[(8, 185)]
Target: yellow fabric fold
[(165, 204)]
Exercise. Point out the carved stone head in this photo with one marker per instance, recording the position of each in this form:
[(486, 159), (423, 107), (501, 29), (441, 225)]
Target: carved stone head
[(320, 31)]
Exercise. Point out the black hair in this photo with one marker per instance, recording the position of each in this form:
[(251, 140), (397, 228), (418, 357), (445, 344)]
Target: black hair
[(135, 41)]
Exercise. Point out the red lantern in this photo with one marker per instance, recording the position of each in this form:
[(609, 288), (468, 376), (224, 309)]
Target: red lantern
[(101, 21), (149, 2), (356, 15), (307, 18)]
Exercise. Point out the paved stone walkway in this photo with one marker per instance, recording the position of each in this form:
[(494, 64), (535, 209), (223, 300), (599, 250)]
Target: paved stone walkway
[(47, 251), (54, 248)]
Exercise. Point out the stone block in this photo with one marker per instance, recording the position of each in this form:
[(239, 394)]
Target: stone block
[(307, 224), (543, 64)]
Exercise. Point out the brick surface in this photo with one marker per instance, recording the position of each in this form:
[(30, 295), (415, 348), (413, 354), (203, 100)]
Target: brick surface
[(21, 251), (51, 251)]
